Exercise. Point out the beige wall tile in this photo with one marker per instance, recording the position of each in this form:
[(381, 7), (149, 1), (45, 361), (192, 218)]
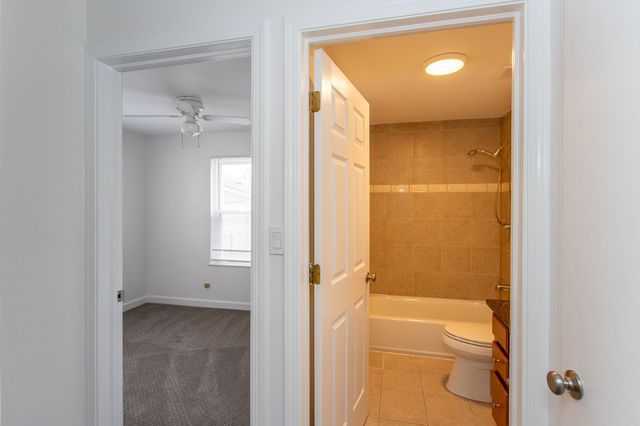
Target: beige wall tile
[(379, 205), (457, 124), (400, 145), (379, 171), (486, 137), (378, 230), (457, 205), (457, 169), (427, 259), (400, 257), (456, 259), (428, 284), (401, 171), (400, 231), (429, 143), (428, 125), (485, 261), (456, 233), (434, 226), (428, 205), (429, 170), (482, 169), (457, 142), (483, 287), (483, 205), (401, 281), (378, 254), (456, 286), (401, 205), (487, 122), (391, 128), (505, 266), (428, 232), (379, 286), (484, 233)]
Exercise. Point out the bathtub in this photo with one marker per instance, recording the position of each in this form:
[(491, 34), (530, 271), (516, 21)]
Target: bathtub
[(414, 325)]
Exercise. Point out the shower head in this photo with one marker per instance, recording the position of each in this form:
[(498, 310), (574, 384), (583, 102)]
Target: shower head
[(485, 152)]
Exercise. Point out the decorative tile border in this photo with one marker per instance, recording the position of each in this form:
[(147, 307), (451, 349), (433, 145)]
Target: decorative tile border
[(451, 187)]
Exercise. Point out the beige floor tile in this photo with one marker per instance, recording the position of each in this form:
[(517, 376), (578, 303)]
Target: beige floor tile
[(375, 359), (434, 386), (449, 412), (434, 366), (401, 362), (402, 398), (375, 388), (482, 413), (386, 422), (372, 421)]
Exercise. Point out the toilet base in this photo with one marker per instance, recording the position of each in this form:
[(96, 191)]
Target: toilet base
[(471, 379)]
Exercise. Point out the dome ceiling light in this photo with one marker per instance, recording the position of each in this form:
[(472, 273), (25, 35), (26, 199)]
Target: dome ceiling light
[(445, 64)]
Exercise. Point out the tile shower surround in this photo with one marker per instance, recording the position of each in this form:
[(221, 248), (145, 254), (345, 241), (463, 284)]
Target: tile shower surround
[(433, 228)]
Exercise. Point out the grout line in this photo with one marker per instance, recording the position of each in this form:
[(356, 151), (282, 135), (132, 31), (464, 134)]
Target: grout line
[(424, 398), (443, 187)]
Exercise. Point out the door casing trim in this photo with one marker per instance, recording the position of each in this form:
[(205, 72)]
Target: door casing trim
[(103, 176), (535, 132)]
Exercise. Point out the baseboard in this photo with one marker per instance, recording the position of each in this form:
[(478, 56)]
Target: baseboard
[(198, 303), (134, 303)]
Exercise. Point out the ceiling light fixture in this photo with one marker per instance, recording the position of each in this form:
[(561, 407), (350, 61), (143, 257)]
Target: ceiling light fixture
[(444, 64), (191, 127)]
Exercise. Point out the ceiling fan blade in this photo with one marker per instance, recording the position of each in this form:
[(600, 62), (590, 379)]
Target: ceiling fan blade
[(242, 121), (153, 116)]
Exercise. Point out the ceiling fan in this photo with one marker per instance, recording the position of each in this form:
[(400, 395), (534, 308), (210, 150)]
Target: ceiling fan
[(191, 108)]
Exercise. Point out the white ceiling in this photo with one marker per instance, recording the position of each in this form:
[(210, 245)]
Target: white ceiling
[(225, 87), (388, 72)]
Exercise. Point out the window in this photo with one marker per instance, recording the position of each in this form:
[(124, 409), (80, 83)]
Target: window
[(231, 211)]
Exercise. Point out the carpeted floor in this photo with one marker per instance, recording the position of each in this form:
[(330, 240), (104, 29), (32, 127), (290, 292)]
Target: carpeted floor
[(186, 366)]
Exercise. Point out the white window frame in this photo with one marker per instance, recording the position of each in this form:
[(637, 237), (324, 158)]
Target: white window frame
[(216, 213)]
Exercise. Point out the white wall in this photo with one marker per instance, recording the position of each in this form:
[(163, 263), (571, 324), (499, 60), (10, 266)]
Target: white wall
[(178, 217), (134, 182), (42, 212), (125, 24)]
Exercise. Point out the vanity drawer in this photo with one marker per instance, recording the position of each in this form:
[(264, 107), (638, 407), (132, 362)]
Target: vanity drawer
[(501, 334), (500, 398), (501, 362)]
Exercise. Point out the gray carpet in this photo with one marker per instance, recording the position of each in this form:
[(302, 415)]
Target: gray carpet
[(186, 366)]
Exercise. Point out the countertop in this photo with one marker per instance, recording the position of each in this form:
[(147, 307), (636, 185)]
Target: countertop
[(502, 310)]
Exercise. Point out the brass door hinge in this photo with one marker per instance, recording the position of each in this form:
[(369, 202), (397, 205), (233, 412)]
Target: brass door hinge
[(314, 101), (314, 273)]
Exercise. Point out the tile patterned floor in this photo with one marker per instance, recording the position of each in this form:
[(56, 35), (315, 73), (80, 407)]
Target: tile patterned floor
[(410, 390)]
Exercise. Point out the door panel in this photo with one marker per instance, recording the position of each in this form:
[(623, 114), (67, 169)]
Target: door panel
[(341, 185), (598, 307)]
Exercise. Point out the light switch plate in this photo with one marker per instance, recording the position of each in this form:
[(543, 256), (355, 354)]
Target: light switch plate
[(276, 240)]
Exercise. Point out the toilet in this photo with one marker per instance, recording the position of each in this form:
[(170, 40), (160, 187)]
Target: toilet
[(470, 375)]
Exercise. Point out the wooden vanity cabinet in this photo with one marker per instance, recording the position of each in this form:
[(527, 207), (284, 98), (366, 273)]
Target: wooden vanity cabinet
[(500, 373)]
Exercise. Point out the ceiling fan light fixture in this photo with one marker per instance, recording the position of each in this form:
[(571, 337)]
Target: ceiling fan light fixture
[(191, 127)]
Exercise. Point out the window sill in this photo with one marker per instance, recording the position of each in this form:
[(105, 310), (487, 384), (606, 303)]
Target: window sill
[(231, 264)]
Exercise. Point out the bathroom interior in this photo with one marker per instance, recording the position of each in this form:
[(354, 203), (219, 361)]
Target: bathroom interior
[(440, 222)]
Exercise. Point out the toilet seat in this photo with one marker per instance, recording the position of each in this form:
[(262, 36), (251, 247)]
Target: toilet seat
[(470, 333)]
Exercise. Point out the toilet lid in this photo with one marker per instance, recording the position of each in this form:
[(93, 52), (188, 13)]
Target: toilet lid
[(476, 333)]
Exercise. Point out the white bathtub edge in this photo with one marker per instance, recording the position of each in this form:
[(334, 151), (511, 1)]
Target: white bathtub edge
[(437, 355)]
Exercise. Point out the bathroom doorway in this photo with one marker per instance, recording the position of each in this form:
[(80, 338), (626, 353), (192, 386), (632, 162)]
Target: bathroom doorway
[(435, 223)]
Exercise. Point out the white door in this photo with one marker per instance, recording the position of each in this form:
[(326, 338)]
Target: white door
[(599, 306), (341, 248)]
